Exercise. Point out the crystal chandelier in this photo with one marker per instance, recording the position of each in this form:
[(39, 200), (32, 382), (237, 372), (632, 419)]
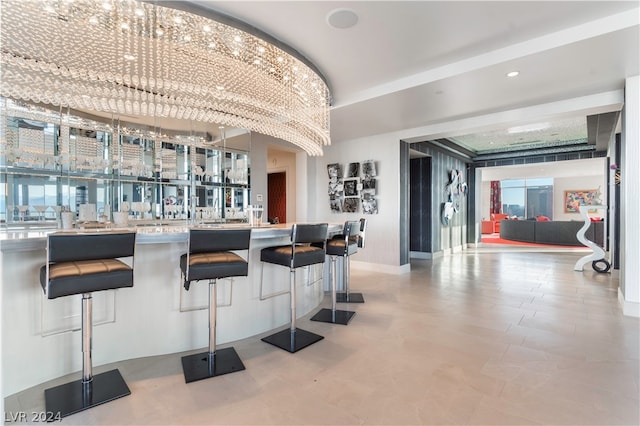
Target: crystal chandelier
[(143, 59)]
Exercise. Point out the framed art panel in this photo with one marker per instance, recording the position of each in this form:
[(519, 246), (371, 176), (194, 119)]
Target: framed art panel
[(350, 187), (576, 198)]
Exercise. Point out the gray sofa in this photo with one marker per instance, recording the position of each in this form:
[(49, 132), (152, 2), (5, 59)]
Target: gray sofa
[(552, 232)]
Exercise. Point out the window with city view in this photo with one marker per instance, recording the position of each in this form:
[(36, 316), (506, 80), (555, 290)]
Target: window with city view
[(527, 198)]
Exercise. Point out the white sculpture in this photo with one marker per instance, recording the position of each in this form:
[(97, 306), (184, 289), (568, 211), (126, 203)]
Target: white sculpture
[(598, 252)]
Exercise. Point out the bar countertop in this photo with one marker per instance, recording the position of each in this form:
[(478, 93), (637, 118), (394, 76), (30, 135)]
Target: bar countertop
[(35, 239)]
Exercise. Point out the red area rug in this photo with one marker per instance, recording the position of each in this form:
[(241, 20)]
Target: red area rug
[(495, 239)]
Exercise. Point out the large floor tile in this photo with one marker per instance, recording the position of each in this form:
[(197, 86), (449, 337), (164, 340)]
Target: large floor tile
[(482, 337)]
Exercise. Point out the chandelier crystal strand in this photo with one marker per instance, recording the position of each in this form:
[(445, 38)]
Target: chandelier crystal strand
[(130, 57)]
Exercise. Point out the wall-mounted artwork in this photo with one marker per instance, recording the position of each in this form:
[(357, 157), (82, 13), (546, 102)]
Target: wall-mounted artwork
[(334, 170), (453, 191), (336, 188), (369, 206), (336, 205), (355, 187), (369, 169), (350, 187), (574, 199), (353, 170), (350, 205)]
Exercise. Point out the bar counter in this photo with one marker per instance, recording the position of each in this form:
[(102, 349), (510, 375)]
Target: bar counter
[(41, 339)]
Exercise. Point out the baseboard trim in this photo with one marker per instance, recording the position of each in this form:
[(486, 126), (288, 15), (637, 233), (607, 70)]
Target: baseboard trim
[(630, 309), (420, 255)]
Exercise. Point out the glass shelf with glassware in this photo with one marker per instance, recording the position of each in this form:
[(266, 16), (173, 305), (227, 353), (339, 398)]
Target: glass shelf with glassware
[(108, 171)]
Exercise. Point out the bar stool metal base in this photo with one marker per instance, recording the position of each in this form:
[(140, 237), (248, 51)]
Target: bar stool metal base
[(333, 317), (73, 397), (292, 341), (352, 298), (196, 367)]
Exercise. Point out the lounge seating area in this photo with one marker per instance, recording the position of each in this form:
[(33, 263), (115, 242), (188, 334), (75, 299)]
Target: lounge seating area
[(550, 232), (493, 226)]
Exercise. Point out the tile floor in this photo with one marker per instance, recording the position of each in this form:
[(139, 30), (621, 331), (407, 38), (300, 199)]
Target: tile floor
[(483, 337)]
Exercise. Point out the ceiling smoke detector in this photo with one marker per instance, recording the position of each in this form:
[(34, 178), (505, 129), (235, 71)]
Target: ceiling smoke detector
[(342, 18)]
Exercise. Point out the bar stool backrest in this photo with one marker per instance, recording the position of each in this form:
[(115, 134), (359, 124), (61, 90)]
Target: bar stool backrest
[(66, 247), (363, 228), (75, 247), (351, 232), (215, 240), (313, 235), (309, 233)]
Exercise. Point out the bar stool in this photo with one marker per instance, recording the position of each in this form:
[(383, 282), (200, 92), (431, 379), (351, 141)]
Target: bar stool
[(82, 264), (308, 247), (348, 297), (210, 257), (343, 245)]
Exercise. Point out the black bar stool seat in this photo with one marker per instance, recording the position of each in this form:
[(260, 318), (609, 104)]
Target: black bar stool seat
[(203, 266), (307, 247), (339, 246), (83, 264), (210, 257), (304, 256)]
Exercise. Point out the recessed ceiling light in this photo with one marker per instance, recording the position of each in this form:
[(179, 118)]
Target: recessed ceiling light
[(513, 73), (342, 18)]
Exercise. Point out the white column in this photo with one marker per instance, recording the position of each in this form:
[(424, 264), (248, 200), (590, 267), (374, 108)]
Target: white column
[(1, 352), (629, 292), (305, 188)]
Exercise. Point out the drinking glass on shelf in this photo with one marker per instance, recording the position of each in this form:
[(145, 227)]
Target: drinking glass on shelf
[(22, 211), (56, 211), (41, 210), (125, 207)]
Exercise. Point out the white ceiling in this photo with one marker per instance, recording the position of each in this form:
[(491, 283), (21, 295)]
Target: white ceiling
[(429, 69)]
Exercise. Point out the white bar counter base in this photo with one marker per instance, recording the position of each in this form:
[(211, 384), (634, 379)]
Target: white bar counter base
[(41, 339)]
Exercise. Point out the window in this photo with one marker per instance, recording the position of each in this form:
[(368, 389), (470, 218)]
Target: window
[(527, 198)]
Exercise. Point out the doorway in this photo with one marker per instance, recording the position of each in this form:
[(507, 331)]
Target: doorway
[(277, 196)]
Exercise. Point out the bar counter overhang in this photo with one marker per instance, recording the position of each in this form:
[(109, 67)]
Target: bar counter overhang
[(157, 316)]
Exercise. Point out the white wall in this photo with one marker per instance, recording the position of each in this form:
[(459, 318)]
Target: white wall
[(310, 183), (485, 197), (629, 293), (258, 165), (285, 161), (382, 251)]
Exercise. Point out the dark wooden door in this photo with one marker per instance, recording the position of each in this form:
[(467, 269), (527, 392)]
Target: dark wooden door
[(277, 192)]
